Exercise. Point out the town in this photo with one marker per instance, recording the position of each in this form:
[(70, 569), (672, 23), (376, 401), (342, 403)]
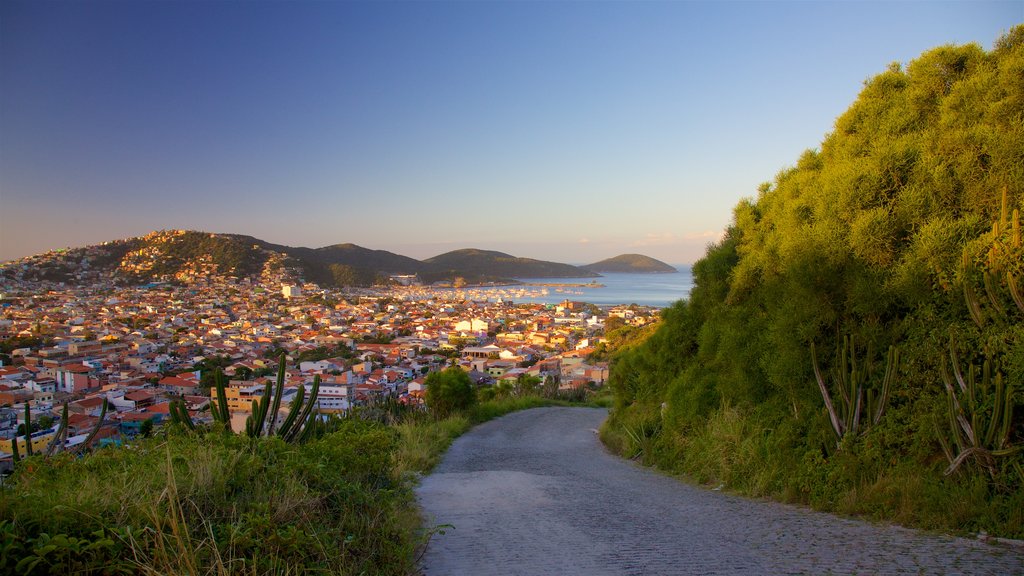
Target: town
[(142, 347)]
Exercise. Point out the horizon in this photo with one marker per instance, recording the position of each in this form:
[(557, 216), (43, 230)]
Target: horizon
[(567, 132), (570, 262)]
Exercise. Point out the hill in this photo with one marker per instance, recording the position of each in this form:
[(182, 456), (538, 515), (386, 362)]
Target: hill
[(636, 263), (476, 265), (188, 255), (901, 233)]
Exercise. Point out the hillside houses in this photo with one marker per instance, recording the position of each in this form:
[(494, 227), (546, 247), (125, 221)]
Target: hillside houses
[(140, 347)]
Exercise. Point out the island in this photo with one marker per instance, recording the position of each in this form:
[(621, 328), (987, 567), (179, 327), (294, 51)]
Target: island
[(631, 263)]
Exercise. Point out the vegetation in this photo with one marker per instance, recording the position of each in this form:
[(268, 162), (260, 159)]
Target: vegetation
[(199, 500), (630, 263), (901, 232), (449, 391)]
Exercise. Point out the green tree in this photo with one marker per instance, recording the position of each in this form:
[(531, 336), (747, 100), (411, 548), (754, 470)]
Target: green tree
[(449, 391)]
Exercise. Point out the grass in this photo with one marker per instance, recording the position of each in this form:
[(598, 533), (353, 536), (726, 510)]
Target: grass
[(210, 503), (749, 453)]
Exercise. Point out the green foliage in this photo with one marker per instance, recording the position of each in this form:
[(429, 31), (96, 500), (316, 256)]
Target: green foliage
[(449, 391), (213, 503), (904, 226), (855, 397), (980, 415)]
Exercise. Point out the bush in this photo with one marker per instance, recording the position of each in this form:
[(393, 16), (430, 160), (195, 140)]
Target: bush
[(213, 503), (449, 391)]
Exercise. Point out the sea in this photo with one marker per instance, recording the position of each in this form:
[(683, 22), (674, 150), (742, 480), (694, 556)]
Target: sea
[(659, 290)]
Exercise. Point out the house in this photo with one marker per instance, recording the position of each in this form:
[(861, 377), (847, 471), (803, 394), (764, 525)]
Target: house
[(178, 385), (74, 378)]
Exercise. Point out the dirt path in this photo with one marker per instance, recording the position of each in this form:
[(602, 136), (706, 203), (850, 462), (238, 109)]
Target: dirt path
[(535, 493)]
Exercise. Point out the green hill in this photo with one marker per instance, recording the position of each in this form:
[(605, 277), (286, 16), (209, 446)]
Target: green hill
[(475, 265), (902, 230), (637, 263)]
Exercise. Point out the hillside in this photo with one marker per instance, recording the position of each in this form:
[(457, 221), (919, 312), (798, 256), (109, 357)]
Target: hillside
[(186, 256), (636, 263), (475, 265), (175, 255), (901, 232)]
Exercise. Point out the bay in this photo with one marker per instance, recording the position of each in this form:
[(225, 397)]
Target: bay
[(658, 290)]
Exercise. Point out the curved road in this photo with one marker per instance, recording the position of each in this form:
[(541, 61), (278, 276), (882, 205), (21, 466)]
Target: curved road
[(535, 493)]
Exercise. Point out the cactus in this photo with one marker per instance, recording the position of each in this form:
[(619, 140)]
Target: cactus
[(980, 415), (15, 456), (220, 408), (254, 424), (854, 397), (61, 435), (1015, 292), (293, 413), (278, 392), (306, 419), (28, 430), (179, 414), (96, 429)]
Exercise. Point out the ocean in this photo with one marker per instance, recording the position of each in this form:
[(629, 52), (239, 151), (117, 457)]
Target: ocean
[(660, 290)]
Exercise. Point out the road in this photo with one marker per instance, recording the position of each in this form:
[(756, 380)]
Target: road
[(535, 493)]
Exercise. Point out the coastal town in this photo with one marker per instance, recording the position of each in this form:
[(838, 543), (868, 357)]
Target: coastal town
[(142, 347)]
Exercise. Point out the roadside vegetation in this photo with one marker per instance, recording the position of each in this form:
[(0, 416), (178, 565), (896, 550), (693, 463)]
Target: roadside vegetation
[(197, 499), (855, 342)]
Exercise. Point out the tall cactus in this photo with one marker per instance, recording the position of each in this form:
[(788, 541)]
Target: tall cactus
[(219, 409), (278, 392), (61, 435), (179, 414), (305, 420), (95, 430), (293, 412), (980, 414), (15, 455), (254, 424), (855, 396), (28, 430)]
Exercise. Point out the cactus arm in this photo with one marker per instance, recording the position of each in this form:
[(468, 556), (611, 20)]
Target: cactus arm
[(973, 307), (293, 412), (220, 410), (990, 291), (944, 442), (180, 413), (955, 360), (95, 430), (250, 421), (264, 408), (28, 430), (60, 431), (306, 410), (278, 392), (15, 456), (892, 362), (1015, 292), (837, 428), (995, 422)]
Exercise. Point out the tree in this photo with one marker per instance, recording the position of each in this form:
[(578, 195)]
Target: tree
[(449, 391)]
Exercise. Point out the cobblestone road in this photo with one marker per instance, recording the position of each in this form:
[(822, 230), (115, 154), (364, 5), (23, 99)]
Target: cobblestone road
[(535, 493)]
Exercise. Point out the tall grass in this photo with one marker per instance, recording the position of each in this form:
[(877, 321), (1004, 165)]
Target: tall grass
[(749, 452), (213, 504), (209, 503)]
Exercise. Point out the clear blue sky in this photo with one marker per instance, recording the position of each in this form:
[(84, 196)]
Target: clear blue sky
[(569, 131)]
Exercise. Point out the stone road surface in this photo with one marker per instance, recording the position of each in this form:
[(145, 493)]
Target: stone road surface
[(535, 493)]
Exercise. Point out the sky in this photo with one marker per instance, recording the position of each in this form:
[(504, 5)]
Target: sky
[(566, 131)]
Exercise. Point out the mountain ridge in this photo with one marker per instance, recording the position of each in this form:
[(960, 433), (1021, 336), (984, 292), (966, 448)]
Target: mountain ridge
[(188, 255)]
